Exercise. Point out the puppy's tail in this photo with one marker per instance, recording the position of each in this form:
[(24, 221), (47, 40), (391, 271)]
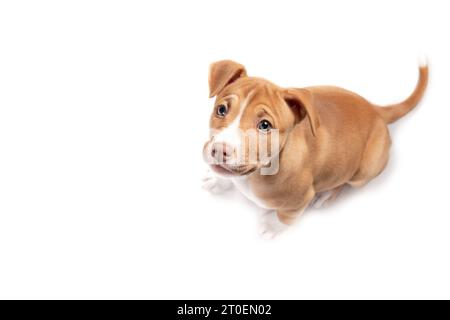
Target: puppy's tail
[(394, 112)]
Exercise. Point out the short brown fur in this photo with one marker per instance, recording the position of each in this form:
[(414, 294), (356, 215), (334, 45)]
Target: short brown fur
[(330, 137)]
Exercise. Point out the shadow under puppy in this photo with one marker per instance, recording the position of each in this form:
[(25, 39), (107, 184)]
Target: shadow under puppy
[(284, 148)]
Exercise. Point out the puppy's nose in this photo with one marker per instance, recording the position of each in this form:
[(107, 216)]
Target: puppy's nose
[(222, 151)]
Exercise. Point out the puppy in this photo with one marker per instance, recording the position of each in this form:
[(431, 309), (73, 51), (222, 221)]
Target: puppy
[(284, 148)]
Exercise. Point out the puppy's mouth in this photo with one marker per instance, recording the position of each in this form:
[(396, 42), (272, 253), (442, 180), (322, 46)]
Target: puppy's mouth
[(227, 168), (233, 170)]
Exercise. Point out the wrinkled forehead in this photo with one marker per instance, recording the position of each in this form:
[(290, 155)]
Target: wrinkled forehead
[(253, 91)]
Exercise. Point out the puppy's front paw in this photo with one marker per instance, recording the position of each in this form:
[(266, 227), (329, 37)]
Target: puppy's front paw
[(270, 225), (215, 184)]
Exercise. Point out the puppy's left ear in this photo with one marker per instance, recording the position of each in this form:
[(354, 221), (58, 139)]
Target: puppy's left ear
[(223, 73), (300, 100)]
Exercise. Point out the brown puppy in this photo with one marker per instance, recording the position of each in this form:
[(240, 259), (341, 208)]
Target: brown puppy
[(316, 140)]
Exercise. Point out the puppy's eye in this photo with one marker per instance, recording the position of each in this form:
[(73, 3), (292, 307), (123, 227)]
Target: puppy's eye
[(264, 125), (221, 110)]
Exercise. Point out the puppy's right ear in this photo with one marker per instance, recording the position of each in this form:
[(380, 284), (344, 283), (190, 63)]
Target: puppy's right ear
[(222, 73)]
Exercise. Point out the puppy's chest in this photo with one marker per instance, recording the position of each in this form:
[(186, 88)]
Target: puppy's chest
[(243, 185)]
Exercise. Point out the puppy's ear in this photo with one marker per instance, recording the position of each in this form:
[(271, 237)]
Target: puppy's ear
[(300, 100), (222, 73)]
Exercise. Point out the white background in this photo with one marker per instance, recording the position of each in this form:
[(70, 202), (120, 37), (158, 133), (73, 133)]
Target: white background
[(103, 114)]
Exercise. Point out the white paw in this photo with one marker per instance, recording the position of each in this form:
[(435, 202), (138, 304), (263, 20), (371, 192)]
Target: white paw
[(270, 225), (320, 199), (215, 184)]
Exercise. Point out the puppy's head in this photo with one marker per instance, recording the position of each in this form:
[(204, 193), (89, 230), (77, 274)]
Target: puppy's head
[(251, 120)]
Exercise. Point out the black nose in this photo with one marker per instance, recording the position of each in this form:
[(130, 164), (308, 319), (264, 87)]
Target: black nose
[(221, 151)]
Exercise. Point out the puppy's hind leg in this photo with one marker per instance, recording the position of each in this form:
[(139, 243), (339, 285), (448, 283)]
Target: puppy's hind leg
[(375, 157), (324, 199)]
